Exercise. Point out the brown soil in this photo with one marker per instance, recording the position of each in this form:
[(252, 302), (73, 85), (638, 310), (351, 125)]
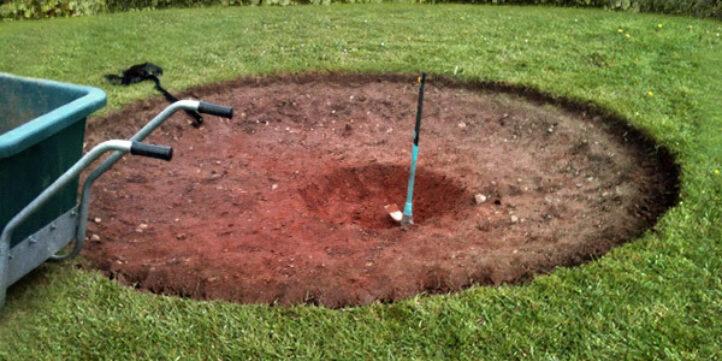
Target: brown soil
[(285, 203)]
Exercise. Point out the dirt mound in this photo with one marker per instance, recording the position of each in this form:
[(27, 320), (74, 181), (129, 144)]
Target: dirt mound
[(285, 203)]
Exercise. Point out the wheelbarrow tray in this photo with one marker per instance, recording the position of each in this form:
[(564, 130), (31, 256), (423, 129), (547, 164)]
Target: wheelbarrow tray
[(42, 125)]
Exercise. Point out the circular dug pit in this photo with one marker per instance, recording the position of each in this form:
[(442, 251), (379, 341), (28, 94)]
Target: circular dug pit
[(285, 203)]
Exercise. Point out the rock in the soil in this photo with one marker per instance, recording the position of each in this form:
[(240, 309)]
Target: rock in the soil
[(274, 186), (95, 238), (479, 198), (462, 125), (514, 218), (97, 220), (141, 227)]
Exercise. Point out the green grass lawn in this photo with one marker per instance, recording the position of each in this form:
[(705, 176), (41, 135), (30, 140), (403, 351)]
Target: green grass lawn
[(659, 297)]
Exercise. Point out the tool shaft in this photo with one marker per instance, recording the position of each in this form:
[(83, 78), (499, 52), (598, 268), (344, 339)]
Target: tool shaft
[(409, 205)]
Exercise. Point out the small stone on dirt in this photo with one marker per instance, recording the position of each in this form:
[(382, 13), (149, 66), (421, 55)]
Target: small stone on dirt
[(97, 220), (180, 236), (479, 198), (462, 125), (95, 238), (514, 219), (274, 186)]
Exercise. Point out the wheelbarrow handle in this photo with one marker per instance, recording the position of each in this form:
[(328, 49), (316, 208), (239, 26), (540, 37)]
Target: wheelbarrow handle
[(215, 109), (151, 150), (188, 105)]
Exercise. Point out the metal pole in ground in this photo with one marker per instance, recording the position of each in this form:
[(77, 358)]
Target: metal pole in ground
[(409, 205), (4, 254)]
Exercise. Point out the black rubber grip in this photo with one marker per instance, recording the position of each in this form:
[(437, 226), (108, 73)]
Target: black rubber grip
[(151, 150), (215, 109)]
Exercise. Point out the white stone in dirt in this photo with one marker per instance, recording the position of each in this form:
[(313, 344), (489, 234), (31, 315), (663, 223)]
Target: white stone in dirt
[(95, 238), (514, 218), (479, 198), (462, 125), (274, 186), (97, 220)]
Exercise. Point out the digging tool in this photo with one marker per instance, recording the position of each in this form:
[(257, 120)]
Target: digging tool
[(406, 217)]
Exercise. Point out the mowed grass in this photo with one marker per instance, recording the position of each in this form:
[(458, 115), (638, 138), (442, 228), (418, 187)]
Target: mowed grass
[(659, 297)]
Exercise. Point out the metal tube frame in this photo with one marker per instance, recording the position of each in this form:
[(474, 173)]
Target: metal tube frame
[(120, 146), (107, 164)]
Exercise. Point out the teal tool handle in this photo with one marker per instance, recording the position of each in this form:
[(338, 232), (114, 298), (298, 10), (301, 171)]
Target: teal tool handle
[(409, 205)]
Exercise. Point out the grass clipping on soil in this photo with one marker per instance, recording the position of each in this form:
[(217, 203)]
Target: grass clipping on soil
[(285, 203)]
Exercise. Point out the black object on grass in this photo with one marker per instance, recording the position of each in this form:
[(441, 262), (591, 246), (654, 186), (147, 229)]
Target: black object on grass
[(149, 71)]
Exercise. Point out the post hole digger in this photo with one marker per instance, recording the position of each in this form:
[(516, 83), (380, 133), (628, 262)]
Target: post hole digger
[(405, 218)]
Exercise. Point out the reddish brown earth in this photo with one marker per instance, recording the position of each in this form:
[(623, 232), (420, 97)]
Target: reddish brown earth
[(285, 203)]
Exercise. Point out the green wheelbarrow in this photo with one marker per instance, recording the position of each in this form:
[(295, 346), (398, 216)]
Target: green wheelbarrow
[(42, 127)]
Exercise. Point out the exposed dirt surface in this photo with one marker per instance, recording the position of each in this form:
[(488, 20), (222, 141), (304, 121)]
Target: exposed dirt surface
[(285, 203)]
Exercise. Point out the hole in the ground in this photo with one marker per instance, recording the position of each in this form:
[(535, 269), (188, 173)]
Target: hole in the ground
[(358, 195)]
